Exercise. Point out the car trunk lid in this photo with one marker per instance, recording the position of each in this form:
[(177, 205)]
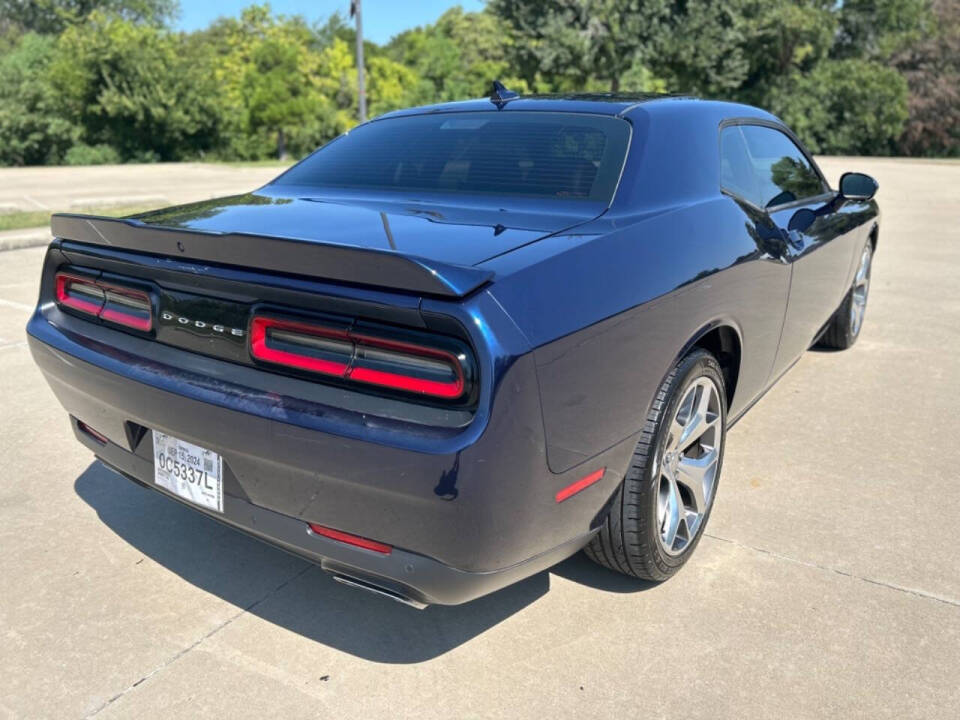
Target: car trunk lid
[(417, 246)]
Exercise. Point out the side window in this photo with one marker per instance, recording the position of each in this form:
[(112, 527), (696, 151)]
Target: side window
[(736, 174), (783, 174)]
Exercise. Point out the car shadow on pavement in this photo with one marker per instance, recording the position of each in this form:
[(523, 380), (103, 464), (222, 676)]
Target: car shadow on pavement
[(581, 569), (297, 595)]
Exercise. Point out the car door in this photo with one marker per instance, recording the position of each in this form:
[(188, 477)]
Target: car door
[(769, 288), (791, 190)]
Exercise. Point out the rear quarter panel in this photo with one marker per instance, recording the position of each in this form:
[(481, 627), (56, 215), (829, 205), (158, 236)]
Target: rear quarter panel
[(608, 314)]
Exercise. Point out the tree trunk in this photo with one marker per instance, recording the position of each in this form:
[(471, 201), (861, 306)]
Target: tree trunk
[(615, 84), (281, 145)]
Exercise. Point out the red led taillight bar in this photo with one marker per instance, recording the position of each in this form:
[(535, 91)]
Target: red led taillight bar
[(116, 304), (359, 356)]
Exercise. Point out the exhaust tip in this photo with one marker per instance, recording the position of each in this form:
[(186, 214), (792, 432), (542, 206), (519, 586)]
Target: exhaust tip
[(378, 590)]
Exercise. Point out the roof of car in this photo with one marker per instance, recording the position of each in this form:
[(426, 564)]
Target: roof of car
[(596, 103), (613, 104)]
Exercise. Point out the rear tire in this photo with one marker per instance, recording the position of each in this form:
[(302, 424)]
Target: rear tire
[(846, 323), (658, 515)]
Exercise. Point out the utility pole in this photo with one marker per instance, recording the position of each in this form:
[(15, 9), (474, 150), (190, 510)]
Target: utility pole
[(357, 11)]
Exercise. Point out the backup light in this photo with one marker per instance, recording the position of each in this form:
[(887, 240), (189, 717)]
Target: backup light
[(344, 353), (113, 303)]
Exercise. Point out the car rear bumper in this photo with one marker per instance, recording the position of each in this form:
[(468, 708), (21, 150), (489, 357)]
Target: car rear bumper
[(404, 576), (474, 515)]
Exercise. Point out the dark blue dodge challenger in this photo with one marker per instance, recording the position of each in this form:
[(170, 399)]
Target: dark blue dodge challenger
[(462, 342)]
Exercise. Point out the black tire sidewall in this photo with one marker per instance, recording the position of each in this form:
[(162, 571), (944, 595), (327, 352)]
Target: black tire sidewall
[(698, 364)]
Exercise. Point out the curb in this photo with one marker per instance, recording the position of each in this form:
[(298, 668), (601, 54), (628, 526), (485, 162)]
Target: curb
[(26, 238)]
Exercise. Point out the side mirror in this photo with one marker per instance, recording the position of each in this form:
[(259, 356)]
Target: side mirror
[(857, 186)]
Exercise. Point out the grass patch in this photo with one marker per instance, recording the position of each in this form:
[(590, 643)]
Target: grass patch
[(21, 219)]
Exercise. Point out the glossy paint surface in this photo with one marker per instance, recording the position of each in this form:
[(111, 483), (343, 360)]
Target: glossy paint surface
[(429, 228), (582, 312), (610, 305)]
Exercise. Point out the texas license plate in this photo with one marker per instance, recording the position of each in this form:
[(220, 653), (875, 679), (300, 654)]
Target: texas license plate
[(190, 471)]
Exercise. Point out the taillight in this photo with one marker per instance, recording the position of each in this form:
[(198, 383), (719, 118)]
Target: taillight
[(116, 304), (359, 356), (79, 293), (125, 306)]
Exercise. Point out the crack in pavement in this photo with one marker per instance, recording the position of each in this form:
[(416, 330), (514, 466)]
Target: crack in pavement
[(190, 647), (891, 586)]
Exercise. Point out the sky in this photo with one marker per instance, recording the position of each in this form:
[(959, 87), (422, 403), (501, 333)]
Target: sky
[(382, 19)]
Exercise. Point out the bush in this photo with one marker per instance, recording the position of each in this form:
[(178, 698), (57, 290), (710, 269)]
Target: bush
[(33, 130), (852, 107), (144, 90), (91, 155)]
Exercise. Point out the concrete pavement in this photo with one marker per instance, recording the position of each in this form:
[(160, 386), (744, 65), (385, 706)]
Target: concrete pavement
[(83, 189), (828, 584), (59, 188)]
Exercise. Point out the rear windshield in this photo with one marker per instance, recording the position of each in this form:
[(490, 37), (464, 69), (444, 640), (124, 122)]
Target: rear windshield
[(532, 154)]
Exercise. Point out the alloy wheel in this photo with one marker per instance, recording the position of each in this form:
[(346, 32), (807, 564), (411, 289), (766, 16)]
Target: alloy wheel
[(861, 287), (687, 467)]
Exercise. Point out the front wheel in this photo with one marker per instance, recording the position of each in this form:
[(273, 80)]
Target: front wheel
[(664, 502), (844, 327)]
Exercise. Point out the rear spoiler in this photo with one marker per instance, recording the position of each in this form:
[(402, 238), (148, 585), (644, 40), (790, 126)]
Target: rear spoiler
[(346, 263)]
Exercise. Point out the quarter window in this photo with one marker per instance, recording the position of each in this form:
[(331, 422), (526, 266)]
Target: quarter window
[(764, 166), (736, 174)]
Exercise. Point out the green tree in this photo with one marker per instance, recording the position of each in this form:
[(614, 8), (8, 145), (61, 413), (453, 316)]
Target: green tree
[(285, 51), (334, 79), (854, 107), (33, 129), (704, 52), (875, 29), (288, 87), (277, 99), (575, 41), (390, 85), (931, 67), (54, 16), (89, 80), (783, 40), (337, 27), (141, 89), (457, 57)]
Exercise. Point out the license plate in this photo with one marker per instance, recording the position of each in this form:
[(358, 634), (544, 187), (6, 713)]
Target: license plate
[(190, 471)]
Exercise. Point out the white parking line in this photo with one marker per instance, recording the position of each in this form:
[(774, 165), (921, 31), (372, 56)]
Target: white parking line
[(35, 202), (17, 305)]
